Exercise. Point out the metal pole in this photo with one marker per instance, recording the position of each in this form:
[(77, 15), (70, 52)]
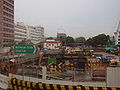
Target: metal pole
[(74, 73), (119, 58), (23, 71), (44, 73), (8, 62), (33, 59), (37, 71), (40, 59), (18, 56)]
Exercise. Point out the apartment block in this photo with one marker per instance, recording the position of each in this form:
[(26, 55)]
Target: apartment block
[(32, 33), (6, 22), (20, 31), (35, 34)]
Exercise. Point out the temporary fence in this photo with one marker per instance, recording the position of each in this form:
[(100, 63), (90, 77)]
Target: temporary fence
[(15, 84)]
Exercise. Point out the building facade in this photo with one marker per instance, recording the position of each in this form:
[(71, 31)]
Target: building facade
[(61, 35), (117, 35), (20, 31), (6, 22), (34, 34)]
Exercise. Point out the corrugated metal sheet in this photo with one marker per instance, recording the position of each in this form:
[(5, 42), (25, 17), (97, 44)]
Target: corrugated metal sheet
[(113, 77)]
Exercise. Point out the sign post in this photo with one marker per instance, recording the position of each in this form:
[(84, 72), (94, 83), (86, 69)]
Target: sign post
[(25, 49)]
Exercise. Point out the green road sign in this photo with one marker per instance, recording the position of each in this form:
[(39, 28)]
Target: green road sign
[(52, 60), (24, 49)]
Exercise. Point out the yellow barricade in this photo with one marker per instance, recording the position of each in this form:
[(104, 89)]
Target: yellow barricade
[(15, 84)]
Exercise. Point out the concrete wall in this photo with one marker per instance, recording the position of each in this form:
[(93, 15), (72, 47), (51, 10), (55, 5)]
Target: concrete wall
[(113, 77), (3, 81)]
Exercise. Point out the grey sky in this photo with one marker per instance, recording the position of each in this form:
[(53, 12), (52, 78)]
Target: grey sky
[(74, 17)]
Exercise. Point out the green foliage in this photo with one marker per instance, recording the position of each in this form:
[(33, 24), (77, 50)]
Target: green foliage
[(69, 40), (112, 41), (63, 41), (98, 40), (50, 38), (12, 44), (89, 42), (80, 40)]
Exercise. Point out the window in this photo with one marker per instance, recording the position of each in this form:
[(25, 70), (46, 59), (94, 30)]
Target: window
[(8, 30), (8, 40), (8, 15), (8, 25), (8, 35), (8, 20), (8, 4), (7, 9)]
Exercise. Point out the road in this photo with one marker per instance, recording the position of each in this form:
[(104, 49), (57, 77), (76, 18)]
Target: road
[(106, 54)]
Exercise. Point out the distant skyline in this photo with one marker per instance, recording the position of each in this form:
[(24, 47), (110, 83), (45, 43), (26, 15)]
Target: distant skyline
[(74, 17)]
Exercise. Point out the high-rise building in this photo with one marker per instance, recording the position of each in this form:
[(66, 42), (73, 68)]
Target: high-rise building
[(6, 22), (34, 34), (117, 35), (20, 31)]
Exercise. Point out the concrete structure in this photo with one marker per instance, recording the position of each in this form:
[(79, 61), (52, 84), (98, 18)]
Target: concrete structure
[(113, 77), (31, 79), (6, 22), (61, 35), (35, 34), (52, 44), (3, 82), (117, 35), (20, 31)]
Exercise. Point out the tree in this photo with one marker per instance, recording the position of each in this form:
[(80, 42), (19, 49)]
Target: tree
[(25, 41), (89, 42), (80, 40), (111, 41), (49, 38), (63, 41), (12, 44), (69, 40), (100, 39)]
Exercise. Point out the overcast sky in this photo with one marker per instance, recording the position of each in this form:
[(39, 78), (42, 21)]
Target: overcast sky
[(74, 17)]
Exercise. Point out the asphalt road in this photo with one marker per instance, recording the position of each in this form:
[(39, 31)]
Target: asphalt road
[(106, 54)]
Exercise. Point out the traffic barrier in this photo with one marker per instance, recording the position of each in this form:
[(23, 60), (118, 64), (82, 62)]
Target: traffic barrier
[(55, 68), (43, 86), (15, 84)]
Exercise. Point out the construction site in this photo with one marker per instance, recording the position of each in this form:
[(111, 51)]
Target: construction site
[(70, 65)]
